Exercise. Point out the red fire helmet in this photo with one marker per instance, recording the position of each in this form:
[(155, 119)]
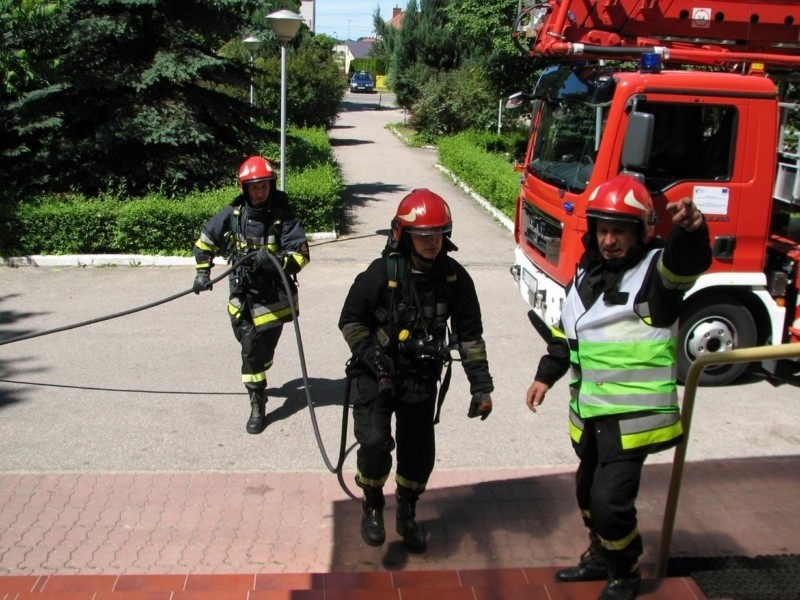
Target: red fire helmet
[(422, 212), (623, 198), (255, 169)]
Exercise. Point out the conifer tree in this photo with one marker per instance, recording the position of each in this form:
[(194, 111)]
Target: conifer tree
[(140, 99)]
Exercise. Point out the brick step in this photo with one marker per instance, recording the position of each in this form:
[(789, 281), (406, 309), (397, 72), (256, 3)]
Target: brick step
[(478, 584)]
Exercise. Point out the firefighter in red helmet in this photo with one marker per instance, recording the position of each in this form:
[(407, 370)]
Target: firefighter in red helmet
[(617, 333), (259, 223), (395, 320)]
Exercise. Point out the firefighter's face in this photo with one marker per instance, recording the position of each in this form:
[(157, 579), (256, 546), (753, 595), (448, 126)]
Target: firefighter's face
[(427, 246), (616, 238), (257, 192)]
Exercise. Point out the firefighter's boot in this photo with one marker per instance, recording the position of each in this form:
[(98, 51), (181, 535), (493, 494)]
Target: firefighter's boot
[(372, 531), (624, 577), (258, 406), (413, 537), (591, 567)]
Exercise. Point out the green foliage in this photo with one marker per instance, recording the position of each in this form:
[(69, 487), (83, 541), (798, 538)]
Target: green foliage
[(376, 66), (313, 84), (490, 174), (156, 224), (23, 50), (454, 101), (320, 187), (386, 37), (403, 79), (137, 100)]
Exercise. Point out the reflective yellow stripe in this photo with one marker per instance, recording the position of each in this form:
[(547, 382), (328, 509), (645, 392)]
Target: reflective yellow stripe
[(575, 432), (654, 436), (672, 280), (621, 543), (407, 483), (271, 317), (254, 377), (366, 481), (204, 246)]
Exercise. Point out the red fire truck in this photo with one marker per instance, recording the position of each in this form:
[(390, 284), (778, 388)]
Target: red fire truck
[(689, 97)]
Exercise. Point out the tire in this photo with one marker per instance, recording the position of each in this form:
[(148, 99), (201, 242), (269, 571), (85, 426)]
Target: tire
[(710, 326)]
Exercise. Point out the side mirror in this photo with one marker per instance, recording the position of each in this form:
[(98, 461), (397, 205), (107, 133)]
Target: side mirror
[(515, 100), (638, 140)]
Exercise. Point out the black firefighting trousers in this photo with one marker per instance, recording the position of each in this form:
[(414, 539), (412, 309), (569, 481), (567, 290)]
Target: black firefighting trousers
[(415, 439), (258, 351), (606, 493)]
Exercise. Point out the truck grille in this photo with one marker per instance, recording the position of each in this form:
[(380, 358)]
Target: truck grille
[(543, 233)]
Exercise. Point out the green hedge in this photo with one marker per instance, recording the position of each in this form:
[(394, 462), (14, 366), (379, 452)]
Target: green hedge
[(485, 163), (161, 226)]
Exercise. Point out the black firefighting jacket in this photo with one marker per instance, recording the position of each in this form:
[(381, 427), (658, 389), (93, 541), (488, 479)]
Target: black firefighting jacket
[(238, 229), (408, 320)]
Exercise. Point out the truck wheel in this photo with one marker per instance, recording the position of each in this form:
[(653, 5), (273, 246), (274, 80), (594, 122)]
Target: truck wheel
[(714, 325)]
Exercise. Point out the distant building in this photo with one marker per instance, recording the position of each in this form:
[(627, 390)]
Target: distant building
[(350, 50), (397, 18), (308, 12)]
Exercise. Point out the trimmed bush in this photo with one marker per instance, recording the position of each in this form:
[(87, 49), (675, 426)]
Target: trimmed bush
[(490, 174), (155, 224)]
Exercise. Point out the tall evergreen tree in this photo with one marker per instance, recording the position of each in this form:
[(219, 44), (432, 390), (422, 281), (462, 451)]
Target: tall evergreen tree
[(140, 99), (385, 38), (438, 40), (404, 59)]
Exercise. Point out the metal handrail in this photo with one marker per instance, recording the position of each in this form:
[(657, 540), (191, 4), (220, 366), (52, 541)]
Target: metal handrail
[(690, 391)]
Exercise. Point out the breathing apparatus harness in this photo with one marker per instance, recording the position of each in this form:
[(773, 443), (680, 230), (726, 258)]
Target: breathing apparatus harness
[(407, 338)]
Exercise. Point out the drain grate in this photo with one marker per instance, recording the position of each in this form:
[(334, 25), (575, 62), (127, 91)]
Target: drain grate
[(742, 578)]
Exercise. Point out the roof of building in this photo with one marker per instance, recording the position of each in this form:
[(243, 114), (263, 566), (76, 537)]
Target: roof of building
[(397, 18), (360, 49)]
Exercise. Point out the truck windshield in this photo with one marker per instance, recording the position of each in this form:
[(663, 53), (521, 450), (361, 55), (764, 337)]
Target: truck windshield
[(570, 125)]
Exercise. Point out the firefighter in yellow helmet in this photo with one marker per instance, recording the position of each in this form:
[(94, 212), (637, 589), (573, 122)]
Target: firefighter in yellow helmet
[(259, 223), (618, 332), (395, 320)]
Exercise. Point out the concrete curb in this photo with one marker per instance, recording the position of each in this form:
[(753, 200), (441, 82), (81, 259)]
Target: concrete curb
[(116, 260)]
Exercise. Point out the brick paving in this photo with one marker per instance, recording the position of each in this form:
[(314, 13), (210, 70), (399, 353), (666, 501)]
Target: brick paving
[(229, 523)]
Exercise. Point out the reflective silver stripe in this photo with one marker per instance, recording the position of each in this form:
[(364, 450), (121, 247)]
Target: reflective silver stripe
[(648, 422), (575, 420), (625, 400), (207, 240), (600, 376)]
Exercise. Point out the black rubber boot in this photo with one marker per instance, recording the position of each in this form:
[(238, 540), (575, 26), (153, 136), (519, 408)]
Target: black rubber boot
[(622, 588), (624, 578), (413, 537), (372, 530), (592, 565), (258, 406)]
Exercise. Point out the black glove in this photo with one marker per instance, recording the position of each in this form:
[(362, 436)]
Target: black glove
[(263, 261), (481, 405), (202, 282), (383, 367)]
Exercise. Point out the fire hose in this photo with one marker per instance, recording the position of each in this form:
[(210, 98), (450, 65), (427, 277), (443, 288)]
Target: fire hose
[(343, 450)]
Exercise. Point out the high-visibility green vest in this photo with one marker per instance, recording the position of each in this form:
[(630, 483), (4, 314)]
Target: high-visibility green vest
[(621, 364)]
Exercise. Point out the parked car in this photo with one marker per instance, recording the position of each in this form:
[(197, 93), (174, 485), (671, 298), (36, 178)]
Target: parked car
[(362, 81)]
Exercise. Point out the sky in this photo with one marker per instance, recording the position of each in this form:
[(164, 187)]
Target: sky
[(352, 19)]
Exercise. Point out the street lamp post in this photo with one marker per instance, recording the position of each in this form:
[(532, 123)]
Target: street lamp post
[(285, 24), (252, 44)]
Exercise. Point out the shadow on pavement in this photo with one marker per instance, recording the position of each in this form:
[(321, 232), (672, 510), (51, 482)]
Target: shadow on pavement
[(535, 521), (323, 392)]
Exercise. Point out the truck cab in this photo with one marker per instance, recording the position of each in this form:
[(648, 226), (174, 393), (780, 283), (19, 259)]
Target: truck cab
[(718, 137)]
